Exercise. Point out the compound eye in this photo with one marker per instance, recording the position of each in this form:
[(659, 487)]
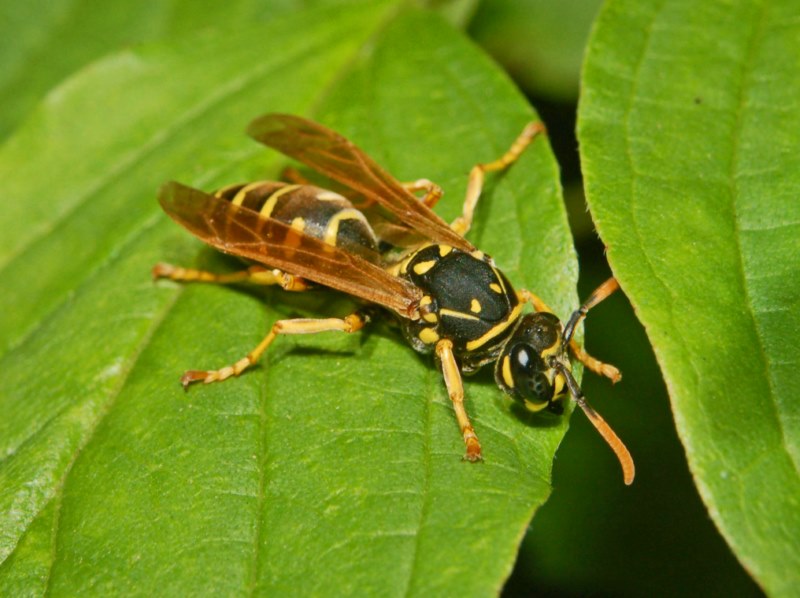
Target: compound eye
[(529, 373)]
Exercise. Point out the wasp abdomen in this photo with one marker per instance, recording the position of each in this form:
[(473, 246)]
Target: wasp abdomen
[(466, 300), (316, 212)]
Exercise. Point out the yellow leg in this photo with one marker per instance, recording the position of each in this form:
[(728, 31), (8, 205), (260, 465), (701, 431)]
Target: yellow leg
[(253, 275), (462, 224), (525, 296), (452, 379), (433, 192), (351, 323), (595, 365)]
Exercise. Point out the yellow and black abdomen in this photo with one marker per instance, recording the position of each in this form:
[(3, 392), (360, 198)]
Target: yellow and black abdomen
[(466, 300), (316, 212)]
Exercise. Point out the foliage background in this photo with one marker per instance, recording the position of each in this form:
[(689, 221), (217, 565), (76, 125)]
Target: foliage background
[(593, 535)]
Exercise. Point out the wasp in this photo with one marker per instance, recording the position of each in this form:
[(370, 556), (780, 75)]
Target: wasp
[(380, 242)]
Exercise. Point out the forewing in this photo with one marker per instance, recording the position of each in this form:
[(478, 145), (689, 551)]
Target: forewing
[(338, 158), (242, 232)]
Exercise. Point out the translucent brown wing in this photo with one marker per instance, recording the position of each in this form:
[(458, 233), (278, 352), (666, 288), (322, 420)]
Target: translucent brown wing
[(242, 232), (339, 159)]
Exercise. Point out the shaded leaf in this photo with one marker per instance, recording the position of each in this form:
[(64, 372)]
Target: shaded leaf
[(540, 43), (689, 128)]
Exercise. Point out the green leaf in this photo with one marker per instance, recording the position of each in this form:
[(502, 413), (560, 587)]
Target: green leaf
[(689, 128), (44, 41), (336, 464)]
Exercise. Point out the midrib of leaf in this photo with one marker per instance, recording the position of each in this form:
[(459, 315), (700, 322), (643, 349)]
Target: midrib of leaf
[(263, 481), (424, 492)]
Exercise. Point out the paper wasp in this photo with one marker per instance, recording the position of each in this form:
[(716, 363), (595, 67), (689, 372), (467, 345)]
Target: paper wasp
[(449, 298)]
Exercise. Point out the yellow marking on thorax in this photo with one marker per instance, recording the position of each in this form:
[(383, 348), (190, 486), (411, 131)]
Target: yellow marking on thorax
[(298, 224), (332, 230), (444, 250), (422, 267), (428, 336), (457, 314), (496, 330), (269, 205), (496, 287), (475, 306)]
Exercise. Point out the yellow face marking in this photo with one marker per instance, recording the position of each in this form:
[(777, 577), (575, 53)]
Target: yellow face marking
[(552, 349), (298, 224), (496, 287), (422, 267), (428, 336), (326, 195), (531, 406), (475, 306), (332, 230), (457, 314), (444, 250), (496, 330), (269, 205), (558, 386), (506, 371)]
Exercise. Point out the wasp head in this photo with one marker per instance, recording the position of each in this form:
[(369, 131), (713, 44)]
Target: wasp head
[(526, 367)]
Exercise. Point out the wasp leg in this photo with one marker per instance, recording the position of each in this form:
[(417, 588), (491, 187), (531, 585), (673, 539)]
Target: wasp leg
[(592, 363), (462, 224), (525, 296), (351, 323), (433, 192), (452, 379), (253, 275), (292, 175), (595, 365)]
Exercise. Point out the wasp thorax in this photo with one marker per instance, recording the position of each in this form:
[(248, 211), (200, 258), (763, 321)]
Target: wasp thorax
[(524, 370)]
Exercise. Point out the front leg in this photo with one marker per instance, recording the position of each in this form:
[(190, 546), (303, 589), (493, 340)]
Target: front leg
[(452, 379)]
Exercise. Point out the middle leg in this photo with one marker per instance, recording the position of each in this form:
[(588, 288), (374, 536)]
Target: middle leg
[(351, 323)]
